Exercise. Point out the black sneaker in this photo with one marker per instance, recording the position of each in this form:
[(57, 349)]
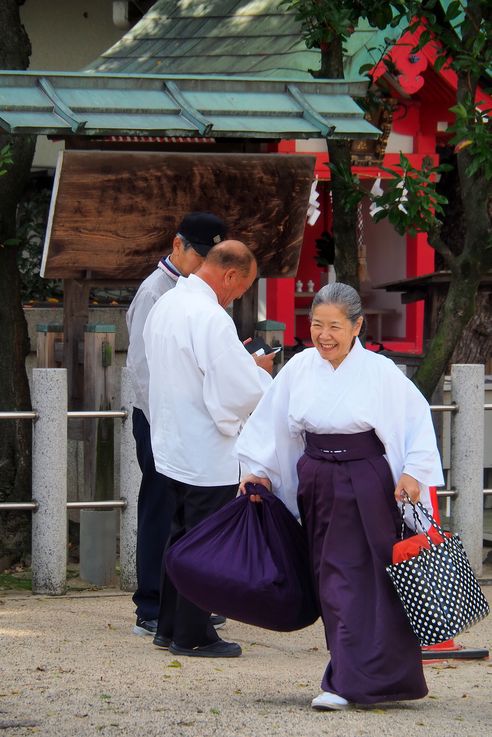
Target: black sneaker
[(145, 627), (162, 642), (219, 649), (217, 621)]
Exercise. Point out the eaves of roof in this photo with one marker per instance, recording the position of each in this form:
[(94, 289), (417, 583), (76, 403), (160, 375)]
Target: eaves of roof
[(218, 106)]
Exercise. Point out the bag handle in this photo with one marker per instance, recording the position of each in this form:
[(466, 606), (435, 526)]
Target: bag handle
[(417, 520)]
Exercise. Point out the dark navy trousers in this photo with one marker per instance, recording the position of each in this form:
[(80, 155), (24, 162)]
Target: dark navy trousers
[(155, 513), (179, 619)]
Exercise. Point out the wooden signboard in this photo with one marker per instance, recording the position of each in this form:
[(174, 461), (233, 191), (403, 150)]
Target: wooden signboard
[(114, 214)]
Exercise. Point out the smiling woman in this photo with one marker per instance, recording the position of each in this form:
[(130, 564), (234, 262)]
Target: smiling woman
[(339, 436), (333, 332)]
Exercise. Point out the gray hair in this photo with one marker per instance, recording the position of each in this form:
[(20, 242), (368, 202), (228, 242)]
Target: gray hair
[(186, 243), (342, 295)]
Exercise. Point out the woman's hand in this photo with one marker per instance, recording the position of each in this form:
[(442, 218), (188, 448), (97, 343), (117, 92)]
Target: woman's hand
[(407, 485), (252, 479)]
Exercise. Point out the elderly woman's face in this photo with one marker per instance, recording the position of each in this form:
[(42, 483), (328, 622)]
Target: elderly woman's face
[(332, 332)]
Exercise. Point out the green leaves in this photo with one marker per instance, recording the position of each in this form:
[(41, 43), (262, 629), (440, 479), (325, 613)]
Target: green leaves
[(410, 200), (472, 131), (349, 184), (323, 21), (32, 215), (5, 159)]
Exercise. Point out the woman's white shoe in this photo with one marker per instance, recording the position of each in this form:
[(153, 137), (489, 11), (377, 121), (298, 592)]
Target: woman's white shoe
[(330, 702)]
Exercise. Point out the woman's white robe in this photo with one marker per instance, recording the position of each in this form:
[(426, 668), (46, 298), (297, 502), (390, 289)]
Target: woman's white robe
[(367, 391)]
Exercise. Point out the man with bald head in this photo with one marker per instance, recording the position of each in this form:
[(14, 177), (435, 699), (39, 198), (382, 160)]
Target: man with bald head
[(203, 386)]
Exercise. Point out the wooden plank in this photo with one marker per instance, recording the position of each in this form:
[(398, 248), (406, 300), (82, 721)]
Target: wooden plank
[(245, 312), (115, 213), (99, 383), (75, 317), (47, 342)]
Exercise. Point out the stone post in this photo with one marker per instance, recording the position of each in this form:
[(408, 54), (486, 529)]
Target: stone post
[(49, 481), (467, 443)]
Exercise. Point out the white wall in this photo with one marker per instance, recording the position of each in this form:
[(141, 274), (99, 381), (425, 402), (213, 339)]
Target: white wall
[(386, 262), (66, 35)]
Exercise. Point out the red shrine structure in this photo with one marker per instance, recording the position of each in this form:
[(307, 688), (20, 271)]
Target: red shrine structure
[(421, 97)]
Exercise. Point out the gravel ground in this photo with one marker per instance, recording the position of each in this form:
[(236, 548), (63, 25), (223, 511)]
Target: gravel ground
[(71, 666)]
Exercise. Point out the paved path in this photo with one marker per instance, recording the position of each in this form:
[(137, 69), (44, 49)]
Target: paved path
[(70, 666)]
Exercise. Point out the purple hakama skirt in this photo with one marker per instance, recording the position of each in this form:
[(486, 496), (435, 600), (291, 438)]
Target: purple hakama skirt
[(347, 506)]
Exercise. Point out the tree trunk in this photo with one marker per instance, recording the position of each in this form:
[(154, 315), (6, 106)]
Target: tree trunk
[(344, 221), (15, 436), (475, 343), (474, 259), (457, 310)]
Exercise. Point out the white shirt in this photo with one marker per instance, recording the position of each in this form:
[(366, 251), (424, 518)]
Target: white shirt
[(203, 385), (367, 391), (154, 286)]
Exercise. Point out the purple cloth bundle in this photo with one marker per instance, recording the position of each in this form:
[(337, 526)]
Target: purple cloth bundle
[(248, 561)]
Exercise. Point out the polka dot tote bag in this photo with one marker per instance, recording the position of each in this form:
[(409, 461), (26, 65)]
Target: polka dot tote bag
[(438, 588)]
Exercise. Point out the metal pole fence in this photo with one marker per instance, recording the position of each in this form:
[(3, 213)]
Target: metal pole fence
[(49, 503), (49, 482)]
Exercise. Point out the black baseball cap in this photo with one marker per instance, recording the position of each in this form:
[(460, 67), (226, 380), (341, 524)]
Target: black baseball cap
[(202, 230)]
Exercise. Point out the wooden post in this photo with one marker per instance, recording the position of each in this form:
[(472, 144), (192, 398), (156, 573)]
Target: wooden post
[(75, 317), (272, 333), (98, 527), (49, 337), (245, 312), (99, 384)]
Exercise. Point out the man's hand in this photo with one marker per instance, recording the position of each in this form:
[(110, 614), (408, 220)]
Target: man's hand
[(265, 361), (407, 485)]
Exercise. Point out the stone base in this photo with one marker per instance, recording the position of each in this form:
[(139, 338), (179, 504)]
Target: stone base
[(98, 546)]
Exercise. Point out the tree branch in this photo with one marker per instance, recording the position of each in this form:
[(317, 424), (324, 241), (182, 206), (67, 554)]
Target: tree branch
[(435, 240)]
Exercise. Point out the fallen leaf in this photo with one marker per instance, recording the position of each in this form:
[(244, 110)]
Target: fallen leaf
[(462, 144), (174, 664)]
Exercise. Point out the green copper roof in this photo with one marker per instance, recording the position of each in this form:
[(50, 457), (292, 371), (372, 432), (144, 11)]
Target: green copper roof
[(215, 37), (221, 69), (180, 105), (229, 37)]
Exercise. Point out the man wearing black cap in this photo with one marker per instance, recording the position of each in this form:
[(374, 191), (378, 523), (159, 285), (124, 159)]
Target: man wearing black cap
[(197, 234)]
